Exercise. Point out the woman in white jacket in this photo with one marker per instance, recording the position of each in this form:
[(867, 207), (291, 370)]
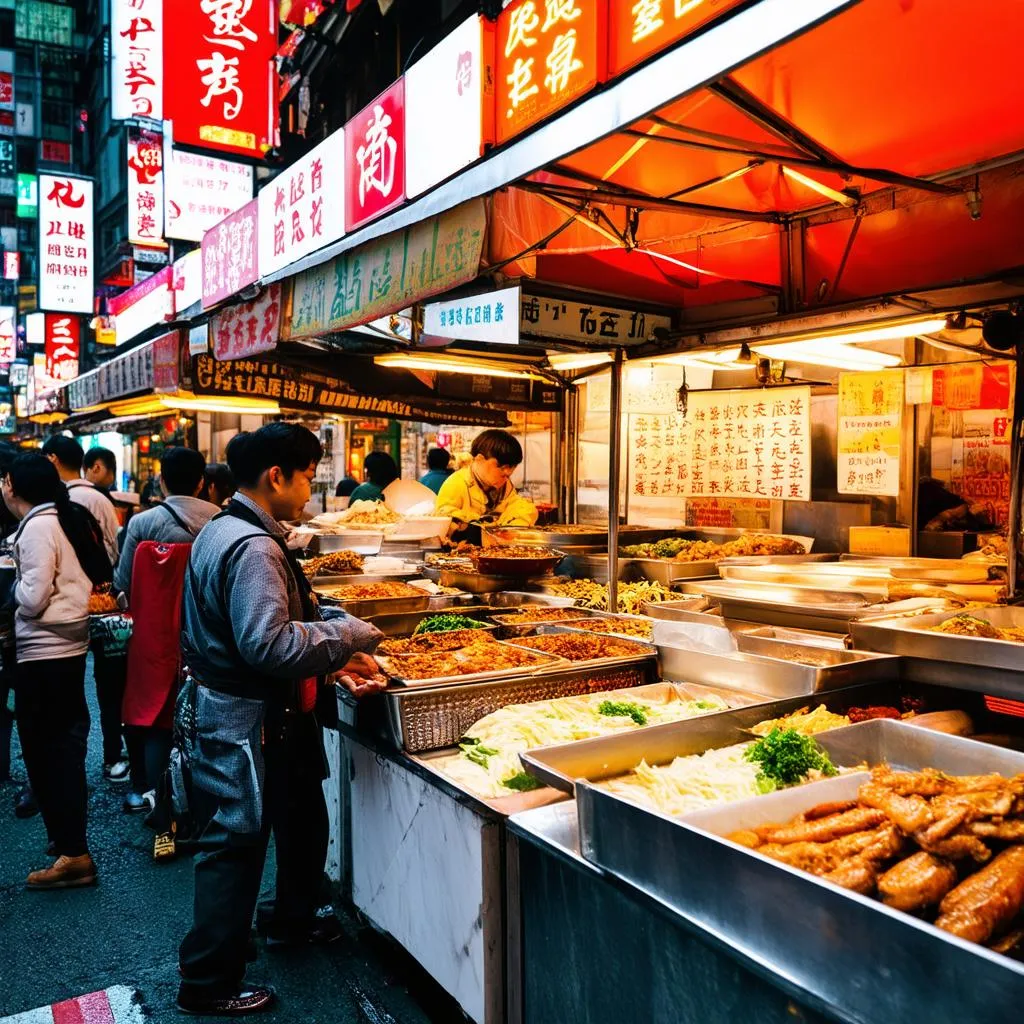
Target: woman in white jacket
[(51, 628)]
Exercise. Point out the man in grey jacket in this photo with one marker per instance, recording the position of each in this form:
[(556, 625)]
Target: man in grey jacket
[(257, 646)]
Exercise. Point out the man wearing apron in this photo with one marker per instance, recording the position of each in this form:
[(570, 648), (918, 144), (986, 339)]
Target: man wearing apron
[(257, 649)]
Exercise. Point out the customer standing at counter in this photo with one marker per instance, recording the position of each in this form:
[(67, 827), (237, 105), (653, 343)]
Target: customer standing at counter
[(483, 491), (380, 470), (257, 647)]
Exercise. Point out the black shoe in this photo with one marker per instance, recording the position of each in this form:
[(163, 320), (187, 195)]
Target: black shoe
[(246, 1001), (25, 805), (322, 932)]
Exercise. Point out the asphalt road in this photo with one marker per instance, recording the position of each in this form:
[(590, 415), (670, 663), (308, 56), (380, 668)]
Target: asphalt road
[(125, 930)]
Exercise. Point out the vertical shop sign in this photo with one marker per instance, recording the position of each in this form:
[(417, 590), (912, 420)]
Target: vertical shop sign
[(6, 90), (251, 327), (200, 191), (27, 196), (389, 273), (639, 30), (188, 281), (165, 362), (375, 158), (12, 266), (303, 208), (449, 105), (63, 337), (66, 244), (137, 59), (145, 188), (24, 119), (223, 91), (870, 427), (549, 53), (231, 255), (8, 334)]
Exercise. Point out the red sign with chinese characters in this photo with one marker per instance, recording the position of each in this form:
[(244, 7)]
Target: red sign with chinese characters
[(145, 188), (222, 53), (375, 158), (63, 334), (55, 152), (12, 266), (641, 29), (252, 327), (550, 52), (230, 255), (165, 362), (6, 89)]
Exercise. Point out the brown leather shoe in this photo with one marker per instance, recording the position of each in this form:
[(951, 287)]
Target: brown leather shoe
[(245, 1001), (65, 873)]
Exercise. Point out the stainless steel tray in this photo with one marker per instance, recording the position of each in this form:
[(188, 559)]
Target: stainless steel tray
[(405, 623), (509, 630), (682, 610), (607, 757), (847, 950), (362, 577), (364, 609), (545, 663), (666, 570), (419, 719), (597, 536), (647, 651), (911, 637), (478, 582)]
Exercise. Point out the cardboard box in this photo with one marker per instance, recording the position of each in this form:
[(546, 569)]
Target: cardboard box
[(880, 540)]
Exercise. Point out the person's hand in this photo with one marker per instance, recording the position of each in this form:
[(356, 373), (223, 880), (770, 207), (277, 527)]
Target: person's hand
[(360, 676)]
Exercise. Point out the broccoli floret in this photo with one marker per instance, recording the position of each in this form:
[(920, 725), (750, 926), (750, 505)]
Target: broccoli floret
[(785, 757)]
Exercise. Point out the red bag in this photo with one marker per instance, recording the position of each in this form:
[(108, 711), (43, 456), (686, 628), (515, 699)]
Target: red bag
[(154, 651)]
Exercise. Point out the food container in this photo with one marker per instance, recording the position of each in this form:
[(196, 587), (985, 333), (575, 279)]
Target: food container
[(362, 542), (517, 568), (473, 582), (812, 931), (417, 718), (538, 662), (638, 650), (363, 608), (514, 629), (405, 623)]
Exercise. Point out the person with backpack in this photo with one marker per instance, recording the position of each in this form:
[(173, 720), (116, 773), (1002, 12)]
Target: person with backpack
[(151, 575), (55, 544), (258, 652), (109, 669)]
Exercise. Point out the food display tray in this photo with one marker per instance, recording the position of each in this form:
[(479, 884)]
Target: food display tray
[(598, 536), (545, 663), (340, 579), (405, 623), (474, 582), (510, 630), (518, 568), (841, 948), (912, 637), (363, 609), (418, 719), (647, 650), (361, 542)]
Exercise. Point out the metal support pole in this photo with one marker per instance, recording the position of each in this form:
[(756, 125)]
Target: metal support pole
[(614, 469), (1013, 532)]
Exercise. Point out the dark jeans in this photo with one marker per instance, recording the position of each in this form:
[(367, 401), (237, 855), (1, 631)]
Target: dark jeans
[(53, 725), (110, 675), (149, 750), (228, 871)]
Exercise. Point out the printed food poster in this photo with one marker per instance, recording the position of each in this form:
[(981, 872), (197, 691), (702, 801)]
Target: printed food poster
[(870, 428)]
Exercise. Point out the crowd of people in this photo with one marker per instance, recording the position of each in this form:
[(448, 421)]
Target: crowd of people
[(217, 626)]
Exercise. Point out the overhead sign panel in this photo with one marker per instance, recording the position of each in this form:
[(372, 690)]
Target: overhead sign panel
[(375, 158), (490, 317), (137, 59), (231, 255), (66, 243), (145, 188), (200, 191)]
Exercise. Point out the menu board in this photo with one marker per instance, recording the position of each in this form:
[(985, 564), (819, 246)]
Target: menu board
[(731, 444), (730, 513), (870, 429)]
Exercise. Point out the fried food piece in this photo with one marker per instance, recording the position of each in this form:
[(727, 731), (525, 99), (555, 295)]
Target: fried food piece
[(922, 880), (824, 810), (1009, 831), (857, 875), (958, 847), (876, 845), (910, 813), (944, 826), (986, 902), (751, 840), (823, 830), (1009, 942), (968, 625)]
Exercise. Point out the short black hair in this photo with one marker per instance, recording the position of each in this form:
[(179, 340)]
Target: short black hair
[(346, 485), (182, 470), (499, 445), (286, 445), (380, 468), (439, 458), (66, 450), (219, 475), (104, 455)]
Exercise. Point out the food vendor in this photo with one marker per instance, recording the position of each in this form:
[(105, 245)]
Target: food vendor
[(482, 492)]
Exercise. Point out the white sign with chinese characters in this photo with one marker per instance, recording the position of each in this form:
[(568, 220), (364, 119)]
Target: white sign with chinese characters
[(490, 317), (8, 334), (137, 59), (200, 191), (303, 208), (145, 189), (587, 322), (188, 280), (66, 243), (449, 106)]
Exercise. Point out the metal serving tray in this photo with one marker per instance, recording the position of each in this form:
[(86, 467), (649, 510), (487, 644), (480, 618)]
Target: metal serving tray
[(405, 623), (364, 609), (847, 950), (545, 663), (361, 577), (798, 636), (477, 582), (548, 538), (911, 637), (607, 757), (613, 617), (514, 629), (645, 650), (418, 719)]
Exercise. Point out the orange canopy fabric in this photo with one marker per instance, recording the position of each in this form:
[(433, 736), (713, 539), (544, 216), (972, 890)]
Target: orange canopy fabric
[(874, 144)]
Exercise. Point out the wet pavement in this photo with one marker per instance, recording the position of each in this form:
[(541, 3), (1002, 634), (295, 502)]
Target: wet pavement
[(125, 931)]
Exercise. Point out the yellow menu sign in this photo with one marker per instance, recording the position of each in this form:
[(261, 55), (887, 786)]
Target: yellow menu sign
[(870, 430)]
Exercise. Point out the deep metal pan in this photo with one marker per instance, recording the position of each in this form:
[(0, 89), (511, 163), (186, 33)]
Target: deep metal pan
[(543, 663), (517, 568), (644, 651), (842, 948), (405, 623)]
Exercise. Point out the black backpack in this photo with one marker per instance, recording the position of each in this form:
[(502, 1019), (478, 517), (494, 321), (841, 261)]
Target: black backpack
[(93, 558)]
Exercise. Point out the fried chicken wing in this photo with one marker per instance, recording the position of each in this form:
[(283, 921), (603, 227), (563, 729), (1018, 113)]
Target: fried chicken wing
[(1009, 831), (986, 902), (877, 844), (957, 847), (857, 875), (824, 810), (921, 880), (910, 813), (822, 830)]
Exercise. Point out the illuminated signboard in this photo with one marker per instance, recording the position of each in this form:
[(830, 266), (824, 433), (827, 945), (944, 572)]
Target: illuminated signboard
[(200, 191), (375, 158), (549, 53), (66, 244), (137, 59), (145, 188)]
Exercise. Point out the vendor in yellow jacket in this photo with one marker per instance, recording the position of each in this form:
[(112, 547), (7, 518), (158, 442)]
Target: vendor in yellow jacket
[(482, 491)]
